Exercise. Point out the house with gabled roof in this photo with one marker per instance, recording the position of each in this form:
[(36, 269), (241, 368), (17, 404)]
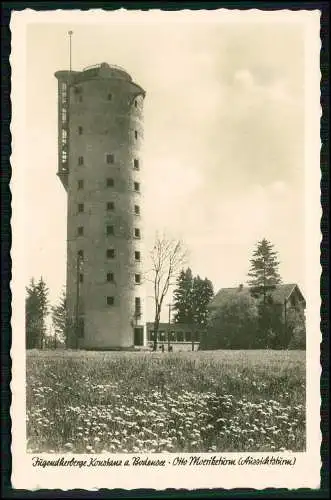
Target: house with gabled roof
[(286, 295), (287, 302)]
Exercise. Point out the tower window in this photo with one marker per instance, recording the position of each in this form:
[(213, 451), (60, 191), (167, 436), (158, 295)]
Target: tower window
[(80, 160), (135, 103), (137, 279), (81, 278), (137, 209), (81, 328), (110, 277), (80, 254), (110, 230), (136, 134), (80, 207), (80, 184), (80, 231), (137, 255), (110, 182), (110, 253), (64, 156), (80, 130), (109, 97), (64, 136), (137, 306), (110, 205), (110, 158), (137, 186), (136, 164), (110, 301), (136, 232)]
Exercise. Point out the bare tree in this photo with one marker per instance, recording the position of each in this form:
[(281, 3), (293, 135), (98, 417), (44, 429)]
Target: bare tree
[(168, 256)]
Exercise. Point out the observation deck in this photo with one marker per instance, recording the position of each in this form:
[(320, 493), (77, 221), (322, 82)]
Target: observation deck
[(97, 71)]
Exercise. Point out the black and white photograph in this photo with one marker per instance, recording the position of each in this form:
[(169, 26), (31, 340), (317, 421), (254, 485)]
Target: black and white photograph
[(166, 212)]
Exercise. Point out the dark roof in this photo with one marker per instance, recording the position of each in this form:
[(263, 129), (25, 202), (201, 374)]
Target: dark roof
[(279, 294), (283, 292)]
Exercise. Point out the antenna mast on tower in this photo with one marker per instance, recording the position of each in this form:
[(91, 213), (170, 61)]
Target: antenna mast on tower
[(70, 33)]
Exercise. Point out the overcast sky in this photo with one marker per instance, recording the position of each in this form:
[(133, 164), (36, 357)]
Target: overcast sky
[(223, 155)]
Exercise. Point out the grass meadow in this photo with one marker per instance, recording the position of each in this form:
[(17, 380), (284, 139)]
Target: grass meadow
[(224, 401)]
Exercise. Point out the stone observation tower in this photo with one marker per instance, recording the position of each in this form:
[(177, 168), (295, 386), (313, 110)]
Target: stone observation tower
[(100, 111)]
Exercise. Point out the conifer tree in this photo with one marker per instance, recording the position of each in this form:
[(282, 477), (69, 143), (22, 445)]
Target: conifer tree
[(202, 292), (31, 316), (263, 274), (43, 292), (59, 319), (36, 310), (192, 297), (183, 297), (263, 279)]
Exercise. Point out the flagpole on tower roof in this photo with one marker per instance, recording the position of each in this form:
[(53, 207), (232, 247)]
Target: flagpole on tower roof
[(70, 33)]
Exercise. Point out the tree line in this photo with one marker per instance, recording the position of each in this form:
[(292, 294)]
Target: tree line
[(37, 309), (245, 320)]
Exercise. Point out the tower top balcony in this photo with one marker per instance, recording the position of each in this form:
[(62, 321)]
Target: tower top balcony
[(104, 69), (97, 71)]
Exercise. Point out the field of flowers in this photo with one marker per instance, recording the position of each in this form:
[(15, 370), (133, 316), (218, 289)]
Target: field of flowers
[(226, 401)]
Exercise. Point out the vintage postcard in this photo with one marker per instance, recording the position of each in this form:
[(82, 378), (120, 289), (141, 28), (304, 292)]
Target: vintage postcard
[(166, 249)]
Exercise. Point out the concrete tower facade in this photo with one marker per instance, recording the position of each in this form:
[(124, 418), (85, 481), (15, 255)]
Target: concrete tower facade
[(100, 136)]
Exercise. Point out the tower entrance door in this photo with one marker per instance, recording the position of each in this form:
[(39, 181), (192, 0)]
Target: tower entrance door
[(139, 335)]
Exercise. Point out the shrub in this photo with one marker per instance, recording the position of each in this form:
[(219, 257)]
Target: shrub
[(233, 325)]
